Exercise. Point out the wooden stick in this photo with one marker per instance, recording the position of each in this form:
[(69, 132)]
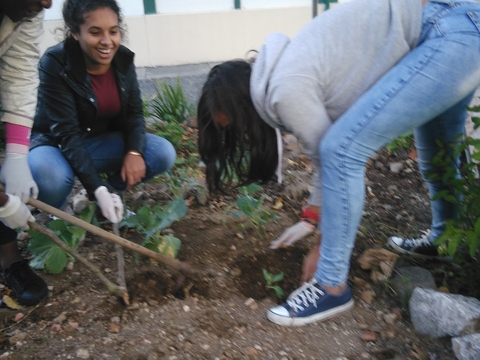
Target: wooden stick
[(121, 266), (174, 263), (114, 289)]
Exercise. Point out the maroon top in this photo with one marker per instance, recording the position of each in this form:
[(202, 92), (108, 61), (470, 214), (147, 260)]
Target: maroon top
[(108, 100)]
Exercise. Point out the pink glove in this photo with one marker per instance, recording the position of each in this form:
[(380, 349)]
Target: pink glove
[(110, 204), (15, 214), (293, 233)]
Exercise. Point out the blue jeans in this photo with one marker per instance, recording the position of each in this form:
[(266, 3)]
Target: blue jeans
[(426, 91), (55, 178)]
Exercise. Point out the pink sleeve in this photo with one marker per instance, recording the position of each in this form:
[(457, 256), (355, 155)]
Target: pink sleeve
[(17, 138)]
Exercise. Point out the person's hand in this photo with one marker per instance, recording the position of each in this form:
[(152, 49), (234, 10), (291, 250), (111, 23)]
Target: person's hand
[(110, 204), (15, 214), (293, 233), (133, 170), (309, 266), (15, 174)]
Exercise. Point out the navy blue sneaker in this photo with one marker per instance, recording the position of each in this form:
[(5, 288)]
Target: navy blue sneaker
[(310, 303), (420, 248)]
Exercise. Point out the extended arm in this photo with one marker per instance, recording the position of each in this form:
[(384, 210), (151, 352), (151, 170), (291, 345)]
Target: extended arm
[(18, 97)]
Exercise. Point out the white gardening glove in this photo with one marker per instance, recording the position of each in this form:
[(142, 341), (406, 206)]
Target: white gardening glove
[(293, 233), (15, 214), (16, 176), (110, 204)]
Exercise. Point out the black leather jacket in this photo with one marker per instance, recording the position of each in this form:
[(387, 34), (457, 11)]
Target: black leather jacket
[(67, 108)]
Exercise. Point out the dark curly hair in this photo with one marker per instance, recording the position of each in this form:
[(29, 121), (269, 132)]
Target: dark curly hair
[(246, 149), (74, 13)]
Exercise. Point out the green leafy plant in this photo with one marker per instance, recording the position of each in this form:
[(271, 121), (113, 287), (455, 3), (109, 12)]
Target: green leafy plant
[(181, 178), (253, 208), (404, 141), (173, 132), (171, 108), (49, 256), (462, 190), (271, 282), (170, 103), (151, 223)]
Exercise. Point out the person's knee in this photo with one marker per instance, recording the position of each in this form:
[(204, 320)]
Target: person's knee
[(53, 186), (164, 155), (328, 150), (169, 156)]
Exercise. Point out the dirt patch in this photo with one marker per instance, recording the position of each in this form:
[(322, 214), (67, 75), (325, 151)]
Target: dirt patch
[(211, 315)]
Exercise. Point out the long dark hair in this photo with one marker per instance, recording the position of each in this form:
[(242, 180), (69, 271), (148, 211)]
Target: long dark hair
[(247, 146), (74, 14)]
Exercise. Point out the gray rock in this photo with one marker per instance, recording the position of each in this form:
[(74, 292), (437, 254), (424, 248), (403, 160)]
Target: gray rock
[(406, 279), (80, 201), (396, 167), (437, 314), (379, 165), (467, 347), (198, 188)]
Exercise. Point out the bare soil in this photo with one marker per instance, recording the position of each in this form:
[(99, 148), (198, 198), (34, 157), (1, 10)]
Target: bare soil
[(219, 312)]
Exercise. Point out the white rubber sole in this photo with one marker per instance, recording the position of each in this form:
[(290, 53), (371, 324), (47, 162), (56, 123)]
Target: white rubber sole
[(288, 321)]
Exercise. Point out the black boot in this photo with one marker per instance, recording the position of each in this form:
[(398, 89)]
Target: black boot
[(27, 287)]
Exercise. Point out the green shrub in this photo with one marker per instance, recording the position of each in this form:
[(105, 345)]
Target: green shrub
[(463, 190), (170, 103)]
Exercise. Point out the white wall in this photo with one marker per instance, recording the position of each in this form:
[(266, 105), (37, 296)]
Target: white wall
[(265, 4), (189, 6), (175, 39), (179, 37)]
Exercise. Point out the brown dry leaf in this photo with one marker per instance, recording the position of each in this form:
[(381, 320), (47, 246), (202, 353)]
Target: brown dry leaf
[(378, 257), (369, 336), (12, 304), (278, 204), (419, 354), (361, 284), (443, 289), (114, 328), (413, 154), (367, 296), (377, 276), (190, 201)]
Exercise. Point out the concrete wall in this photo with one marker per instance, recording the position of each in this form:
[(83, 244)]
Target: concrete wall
[(197, 31), (173, 39)]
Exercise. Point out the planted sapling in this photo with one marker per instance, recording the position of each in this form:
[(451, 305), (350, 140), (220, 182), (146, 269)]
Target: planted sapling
[(253, 208), (151, 223), (271, 283)]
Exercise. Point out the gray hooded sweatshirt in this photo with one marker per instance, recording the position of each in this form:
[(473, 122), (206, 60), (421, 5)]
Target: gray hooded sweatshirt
[(304, 84)]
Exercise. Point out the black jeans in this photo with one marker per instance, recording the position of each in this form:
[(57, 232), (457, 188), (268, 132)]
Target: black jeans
[(7, 235)]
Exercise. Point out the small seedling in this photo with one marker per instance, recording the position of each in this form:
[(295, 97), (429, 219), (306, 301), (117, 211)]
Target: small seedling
[(253, 208), (271, 282), (151, 223)]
